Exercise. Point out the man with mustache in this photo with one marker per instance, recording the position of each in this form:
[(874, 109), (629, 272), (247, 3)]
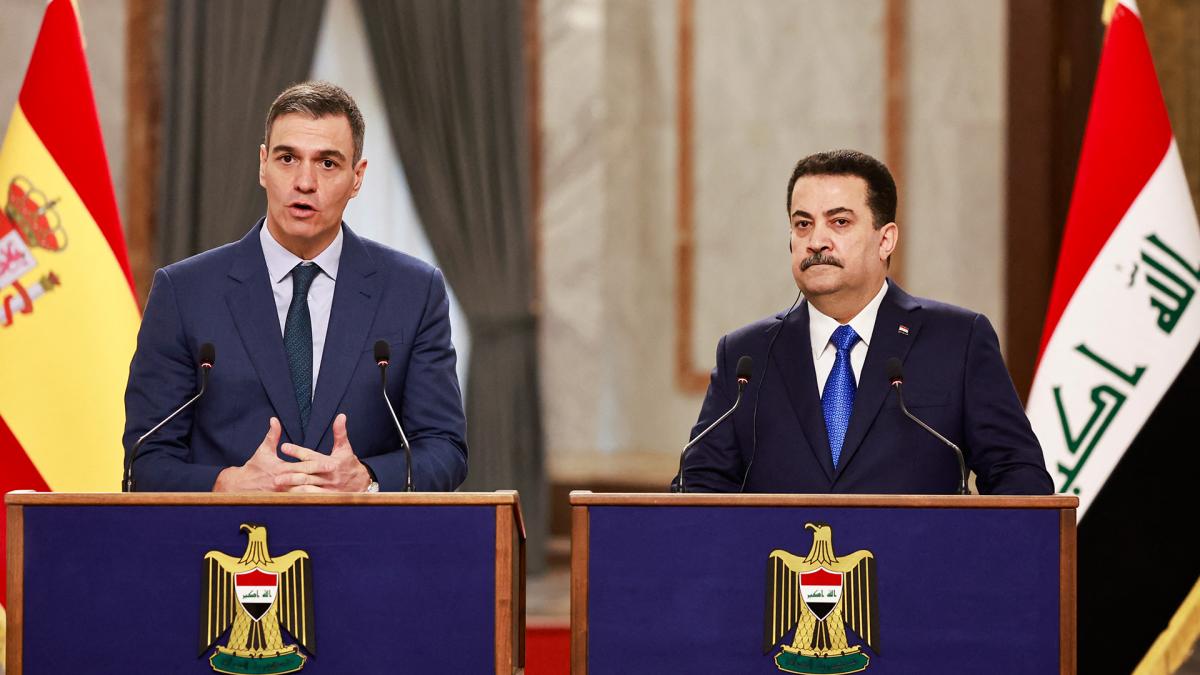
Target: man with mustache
[(294, 310), (819, 414)]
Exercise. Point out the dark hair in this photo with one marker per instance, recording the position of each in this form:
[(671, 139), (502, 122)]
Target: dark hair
[(881, 188), (318, 99)]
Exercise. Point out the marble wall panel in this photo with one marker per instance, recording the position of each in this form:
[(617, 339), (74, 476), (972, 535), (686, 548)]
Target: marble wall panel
[(575, 353), (640, 83), (952, 234), (775, 80), (608, 124)]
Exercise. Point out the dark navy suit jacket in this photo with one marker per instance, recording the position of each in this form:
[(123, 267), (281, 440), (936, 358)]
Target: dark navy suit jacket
[(955, 380), (223, 296)]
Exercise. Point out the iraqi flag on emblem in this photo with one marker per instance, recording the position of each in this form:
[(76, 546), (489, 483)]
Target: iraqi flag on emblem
[(256, 591), (1113, 399), (821, 590)]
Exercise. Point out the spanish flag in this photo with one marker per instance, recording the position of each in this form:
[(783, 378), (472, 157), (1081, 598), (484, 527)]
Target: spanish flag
[(68, 313)]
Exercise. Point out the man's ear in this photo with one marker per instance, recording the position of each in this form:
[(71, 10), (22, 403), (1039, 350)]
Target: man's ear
[(262, 164), (359, 171), (889, 237)]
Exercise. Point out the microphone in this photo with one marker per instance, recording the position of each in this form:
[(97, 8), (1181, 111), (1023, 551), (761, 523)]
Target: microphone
[(382, 356), (207, 357), (745, 367), (896, 378), (762, 380)]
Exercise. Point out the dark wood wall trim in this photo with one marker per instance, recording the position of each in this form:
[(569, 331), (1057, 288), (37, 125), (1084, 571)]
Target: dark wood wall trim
[(1171, 29), (688, 377), (531, 24), (1053, 52), (143, 100), (895, 117)]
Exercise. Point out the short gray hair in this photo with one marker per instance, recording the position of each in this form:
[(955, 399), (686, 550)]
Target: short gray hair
[(318, 99)]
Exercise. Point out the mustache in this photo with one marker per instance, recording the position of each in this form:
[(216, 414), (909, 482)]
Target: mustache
[(820, 258)]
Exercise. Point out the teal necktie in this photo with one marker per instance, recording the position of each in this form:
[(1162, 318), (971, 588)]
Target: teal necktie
[(297, 338)]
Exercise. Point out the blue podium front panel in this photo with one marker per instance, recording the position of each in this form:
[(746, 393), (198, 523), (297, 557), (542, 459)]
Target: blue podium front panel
[(395, 589), (684, 589)]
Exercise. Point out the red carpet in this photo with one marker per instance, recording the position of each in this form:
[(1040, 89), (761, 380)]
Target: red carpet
[(548, 650)]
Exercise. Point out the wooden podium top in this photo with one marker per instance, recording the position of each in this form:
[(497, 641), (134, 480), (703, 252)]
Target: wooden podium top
[(587, 498), (221, 498), (497, 498)]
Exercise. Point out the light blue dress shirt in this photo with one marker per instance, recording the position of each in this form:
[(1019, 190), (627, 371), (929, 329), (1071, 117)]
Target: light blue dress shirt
[(280, 262)]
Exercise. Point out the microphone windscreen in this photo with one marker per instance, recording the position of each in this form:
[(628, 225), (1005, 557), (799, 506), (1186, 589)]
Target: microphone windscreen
[(382, 351), (745, 367), (208, 354), (895, 372)]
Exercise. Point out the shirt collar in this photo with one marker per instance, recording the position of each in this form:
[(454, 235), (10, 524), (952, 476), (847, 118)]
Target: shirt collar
[(821, 327), (280, 261)]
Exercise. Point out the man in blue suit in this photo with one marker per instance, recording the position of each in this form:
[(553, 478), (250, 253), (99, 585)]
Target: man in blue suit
[(294, 310), (819, 414)]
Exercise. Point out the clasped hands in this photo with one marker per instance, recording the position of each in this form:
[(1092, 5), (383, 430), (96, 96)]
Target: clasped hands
[(339, 471)]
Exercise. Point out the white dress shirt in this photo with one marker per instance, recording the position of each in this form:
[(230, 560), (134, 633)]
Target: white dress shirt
[(820, 331), (280, 262)]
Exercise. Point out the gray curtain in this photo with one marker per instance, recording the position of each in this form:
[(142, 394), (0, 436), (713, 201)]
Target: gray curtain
[(452, 76), (225, 61)]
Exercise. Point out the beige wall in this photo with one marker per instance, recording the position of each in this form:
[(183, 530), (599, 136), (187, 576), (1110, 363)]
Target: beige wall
[(953, 203), (773, 80)]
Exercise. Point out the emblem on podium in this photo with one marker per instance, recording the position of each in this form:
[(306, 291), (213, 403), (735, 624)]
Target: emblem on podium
[(256, 595), (820, 595)]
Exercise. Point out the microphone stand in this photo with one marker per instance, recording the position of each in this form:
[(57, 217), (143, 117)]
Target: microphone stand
[(742, 382), (962, 465), (127, 484), (408, 481)]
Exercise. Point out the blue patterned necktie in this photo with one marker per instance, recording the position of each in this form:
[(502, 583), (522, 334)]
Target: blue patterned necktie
[(837, 400), (297, 338)]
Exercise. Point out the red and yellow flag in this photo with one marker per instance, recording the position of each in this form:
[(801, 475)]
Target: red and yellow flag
[(68, 314)]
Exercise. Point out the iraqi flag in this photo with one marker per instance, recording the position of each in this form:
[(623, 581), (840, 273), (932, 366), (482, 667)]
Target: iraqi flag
[(821, 590), (1114, 400), (68, 314), (256, 590)]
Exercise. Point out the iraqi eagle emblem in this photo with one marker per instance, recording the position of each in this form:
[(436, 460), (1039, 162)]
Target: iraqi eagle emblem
[(256, 594), (820, 595)]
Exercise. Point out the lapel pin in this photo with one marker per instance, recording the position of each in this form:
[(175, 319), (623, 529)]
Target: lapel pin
[(903, 330)]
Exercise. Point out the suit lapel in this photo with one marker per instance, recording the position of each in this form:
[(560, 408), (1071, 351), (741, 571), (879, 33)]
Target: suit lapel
[(355, 299), (252, 304), (887, 340), (793, 356)]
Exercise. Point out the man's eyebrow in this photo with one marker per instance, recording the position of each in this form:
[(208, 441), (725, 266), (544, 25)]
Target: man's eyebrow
[(801, 214), (321, 154), (838, 209)]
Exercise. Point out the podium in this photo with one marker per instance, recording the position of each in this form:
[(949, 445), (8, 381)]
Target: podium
[(822, 584), (197, 583)]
